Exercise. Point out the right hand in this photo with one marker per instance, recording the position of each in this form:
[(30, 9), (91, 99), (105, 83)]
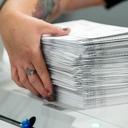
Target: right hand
[(21, 35), (63, 6)]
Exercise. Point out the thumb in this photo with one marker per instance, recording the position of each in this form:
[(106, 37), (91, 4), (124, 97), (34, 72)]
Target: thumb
[(47, 28)]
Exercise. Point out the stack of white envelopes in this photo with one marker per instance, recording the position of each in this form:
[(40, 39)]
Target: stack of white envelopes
[(89, 67)]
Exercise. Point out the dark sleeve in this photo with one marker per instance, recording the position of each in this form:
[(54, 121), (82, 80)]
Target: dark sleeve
[(111, 3)]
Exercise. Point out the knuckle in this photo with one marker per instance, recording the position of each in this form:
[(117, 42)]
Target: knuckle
[(23, 80), (41, 72), (33, 80)]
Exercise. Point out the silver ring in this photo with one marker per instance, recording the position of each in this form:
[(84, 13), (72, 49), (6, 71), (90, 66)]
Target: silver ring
[(30, 71)]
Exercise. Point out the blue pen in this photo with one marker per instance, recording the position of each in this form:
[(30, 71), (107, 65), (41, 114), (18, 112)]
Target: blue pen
[(27, 123)]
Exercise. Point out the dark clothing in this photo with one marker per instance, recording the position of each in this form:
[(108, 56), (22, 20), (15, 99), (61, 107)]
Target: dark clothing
[(111, 3)]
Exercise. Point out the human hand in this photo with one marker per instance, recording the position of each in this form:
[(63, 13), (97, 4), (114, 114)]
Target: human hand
[(63, 6), (21, 35)]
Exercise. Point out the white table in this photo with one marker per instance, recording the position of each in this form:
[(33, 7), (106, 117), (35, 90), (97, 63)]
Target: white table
[(6, 125), (18, 104)]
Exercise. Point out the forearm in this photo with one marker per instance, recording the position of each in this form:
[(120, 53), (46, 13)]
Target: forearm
[(38, 9), (32, 8), (78, 4)]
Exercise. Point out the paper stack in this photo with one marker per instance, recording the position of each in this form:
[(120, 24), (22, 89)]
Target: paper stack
[(89, 67)]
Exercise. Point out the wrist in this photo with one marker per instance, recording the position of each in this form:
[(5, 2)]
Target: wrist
[(5, 19)]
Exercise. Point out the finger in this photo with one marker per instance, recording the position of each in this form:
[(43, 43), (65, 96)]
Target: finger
[(31, 88), (47, 28), (42, 72), (24, 81), (15, 76), (37, 83)]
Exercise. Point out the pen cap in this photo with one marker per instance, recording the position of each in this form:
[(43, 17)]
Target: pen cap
[(25, 124)]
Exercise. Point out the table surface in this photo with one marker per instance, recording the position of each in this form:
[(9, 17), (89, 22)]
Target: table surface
[(6, 125), (18, 104)]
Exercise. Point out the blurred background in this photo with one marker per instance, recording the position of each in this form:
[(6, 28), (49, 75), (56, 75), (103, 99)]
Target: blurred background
[(118, 15)]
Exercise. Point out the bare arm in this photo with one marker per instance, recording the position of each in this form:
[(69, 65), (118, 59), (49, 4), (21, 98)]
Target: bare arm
[(63, 6), (78, 4), (31, 8), (21, 31)]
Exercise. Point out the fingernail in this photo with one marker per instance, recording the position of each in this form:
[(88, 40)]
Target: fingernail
[(66, 29), (49, 93)]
